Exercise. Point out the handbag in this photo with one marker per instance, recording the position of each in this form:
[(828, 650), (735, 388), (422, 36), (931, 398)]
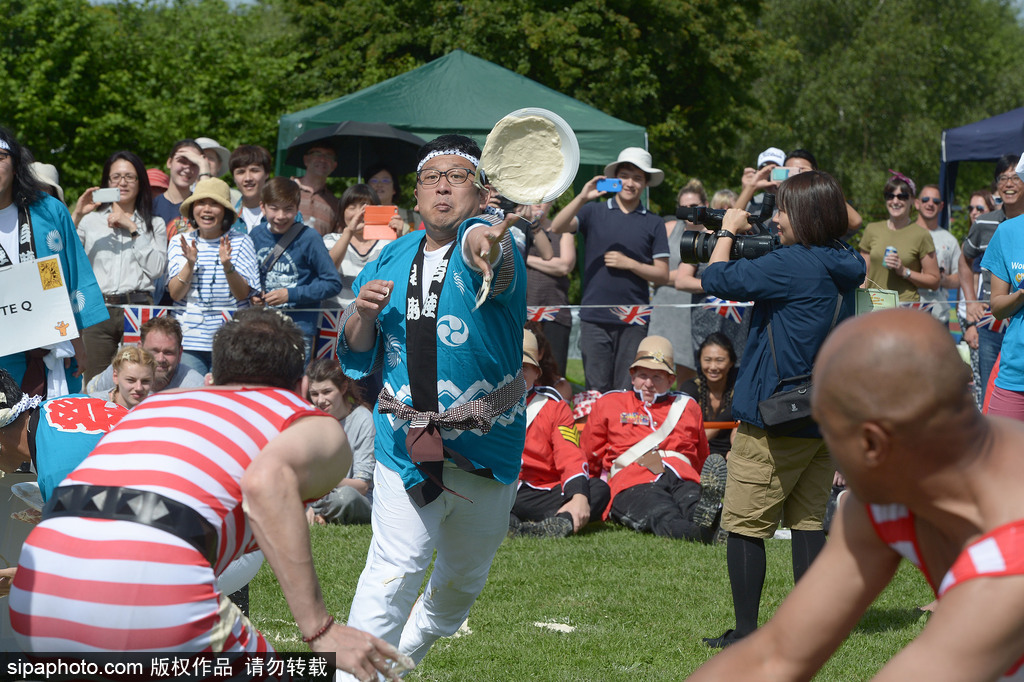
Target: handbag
[(785, 412)]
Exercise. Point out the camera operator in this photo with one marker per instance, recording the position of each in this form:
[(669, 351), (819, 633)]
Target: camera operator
[(795, 289)]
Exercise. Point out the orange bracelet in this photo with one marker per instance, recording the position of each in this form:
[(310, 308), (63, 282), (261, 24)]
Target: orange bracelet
[(321, 631)]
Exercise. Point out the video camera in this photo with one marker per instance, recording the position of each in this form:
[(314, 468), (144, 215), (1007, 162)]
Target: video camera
[(696, 247)]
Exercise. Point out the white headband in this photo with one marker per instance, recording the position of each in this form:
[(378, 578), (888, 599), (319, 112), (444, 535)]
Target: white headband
[(4, 145), (27, 402), (449, 152)]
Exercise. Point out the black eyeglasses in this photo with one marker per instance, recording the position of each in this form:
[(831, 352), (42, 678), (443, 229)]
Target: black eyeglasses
[(980, 209), (455, 176), (934, 200), (1010, 177), (889, 196)]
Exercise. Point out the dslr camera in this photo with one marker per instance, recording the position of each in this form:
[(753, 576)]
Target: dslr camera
[(696, 247)]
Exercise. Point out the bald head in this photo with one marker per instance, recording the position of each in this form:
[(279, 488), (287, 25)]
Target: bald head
[(899, 367)]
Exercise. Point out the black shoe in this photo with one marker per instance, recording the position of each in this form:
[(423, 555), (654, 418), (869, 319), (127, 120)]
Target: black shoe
[(552, 527), (727, 638), (513, 526), (712, 484)]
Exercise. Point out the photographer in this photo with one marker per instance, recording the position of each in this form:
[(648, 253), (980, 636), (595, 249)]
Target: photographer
[(795, 290)]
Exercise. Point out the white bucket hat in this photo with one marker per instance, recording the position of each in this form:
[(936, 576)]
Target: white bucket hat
[(217, 148), (641, 158), (47, 174)]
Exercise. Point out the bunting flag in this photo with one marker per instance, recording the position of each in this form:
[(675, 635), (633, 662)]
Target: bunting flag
[(923, 306), (992, 324), (634, 314), (730, 310), (536, 313), (135, 317), (327, 334)]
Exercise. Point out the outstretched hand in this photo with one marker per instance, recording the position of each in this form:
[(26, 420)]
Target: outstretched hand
[(483, 243)]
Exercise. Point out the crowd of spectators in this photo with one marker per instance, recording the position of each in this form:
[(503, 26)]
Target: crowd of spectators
[(670, 407)]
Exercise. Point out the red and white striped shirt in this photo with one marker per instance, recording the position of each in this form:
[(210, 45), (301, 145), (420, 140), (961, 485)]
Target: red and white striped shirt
[(93, 584)]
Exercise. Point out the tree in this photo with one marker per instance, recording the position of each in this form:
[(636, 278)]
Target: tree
[(679, 67), (869, 85)]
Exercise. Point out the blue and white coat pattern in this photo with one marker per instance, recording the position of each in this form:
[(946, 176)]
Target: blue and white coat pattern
[(478, 351)]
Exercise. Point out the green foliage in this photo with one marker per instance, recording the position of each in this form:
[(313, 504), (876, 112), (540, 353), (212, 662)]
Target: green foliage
[(638, 605), (91, 80), (870, 85), (676, 66), (865, 84)]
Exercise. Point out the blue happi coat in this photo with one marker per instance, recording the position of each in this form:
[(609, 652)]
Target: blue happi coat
[(478, 351), (53, 233)]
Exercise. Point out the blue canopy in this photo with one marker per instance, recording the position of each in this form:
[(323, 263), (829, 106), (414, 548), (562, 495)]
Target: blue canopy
[(984, 140)]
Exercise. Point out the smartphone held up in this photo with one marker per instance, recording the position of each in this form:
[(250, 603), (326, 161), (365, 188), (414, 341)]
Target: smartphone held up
[(107, 195)]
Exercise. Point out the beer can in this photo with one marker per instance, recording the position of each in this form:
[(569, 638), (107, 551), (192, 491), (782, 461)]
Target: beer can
[(890, 251)]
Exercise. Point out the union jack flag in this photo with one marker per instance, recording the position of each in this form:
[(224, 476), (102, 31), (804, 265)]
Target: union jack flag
[(730, 310), (135, 317), (634, 314), (327, 336), (997, 326), (923, 306), (537, 313)]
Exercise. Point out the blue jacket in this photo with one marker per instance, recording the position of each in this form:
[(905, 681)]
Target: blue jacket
[(305, 269), (796, 288)]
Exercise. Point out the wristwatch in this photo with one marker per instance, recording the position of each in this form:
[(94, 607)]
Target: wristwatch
[(725, 233), (906, 273)]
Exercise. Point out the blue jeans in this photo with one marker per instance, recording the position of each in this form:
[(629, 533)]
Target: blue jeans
[(989, 343)]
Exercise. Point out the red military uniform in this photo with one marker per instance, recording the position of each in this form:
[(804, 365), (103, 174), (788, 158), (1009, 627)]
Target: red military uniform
[(552, 455), (620, 419)]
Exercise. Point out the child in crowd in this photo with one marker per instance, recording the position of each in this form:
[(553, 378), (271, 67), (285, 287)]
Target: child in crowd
[(295, 270)]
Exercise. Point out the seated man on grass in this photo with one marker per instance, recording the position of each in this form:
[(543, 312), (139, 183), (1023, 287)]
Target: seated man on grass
[(649, 443), (931, 479)]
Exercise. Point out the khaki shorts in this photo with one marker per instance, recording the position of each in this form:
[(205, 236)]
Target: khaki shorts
[(772, 478)]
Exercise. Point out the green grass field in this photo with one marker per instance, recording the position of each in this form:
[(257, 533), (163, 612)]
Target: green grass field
[(637, 605)]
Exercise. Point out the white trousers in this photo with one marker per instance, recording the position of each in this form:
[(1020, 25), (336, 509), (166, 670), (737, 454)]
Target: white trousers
[(466, 536)]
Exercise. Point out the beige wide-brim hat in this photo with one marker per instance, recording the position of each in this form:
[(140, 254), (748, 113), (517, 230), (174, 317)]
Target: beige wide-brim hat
[(210, 188), (46, 173), (655, 352), (531, 352), (641, 158)]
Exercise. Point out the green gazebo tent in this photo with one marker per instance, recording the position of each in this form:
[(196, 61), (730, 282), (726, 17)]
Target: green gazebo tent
[(460, 93)]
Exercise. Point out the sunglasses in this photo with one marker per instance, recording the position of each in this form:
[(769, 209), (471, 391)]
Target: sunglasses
[(980, 209), (934, 200), (889, 196)]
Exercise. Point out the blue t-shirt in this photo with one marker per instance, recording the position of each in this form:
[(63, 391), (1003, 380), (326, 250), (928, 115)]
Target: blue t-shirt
[(1004, 258), (640, 235), (165, 209)]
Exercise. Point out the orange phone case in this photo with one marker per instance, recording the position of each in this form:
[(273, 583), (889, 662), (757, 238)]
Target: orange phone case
[(375, 222)]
